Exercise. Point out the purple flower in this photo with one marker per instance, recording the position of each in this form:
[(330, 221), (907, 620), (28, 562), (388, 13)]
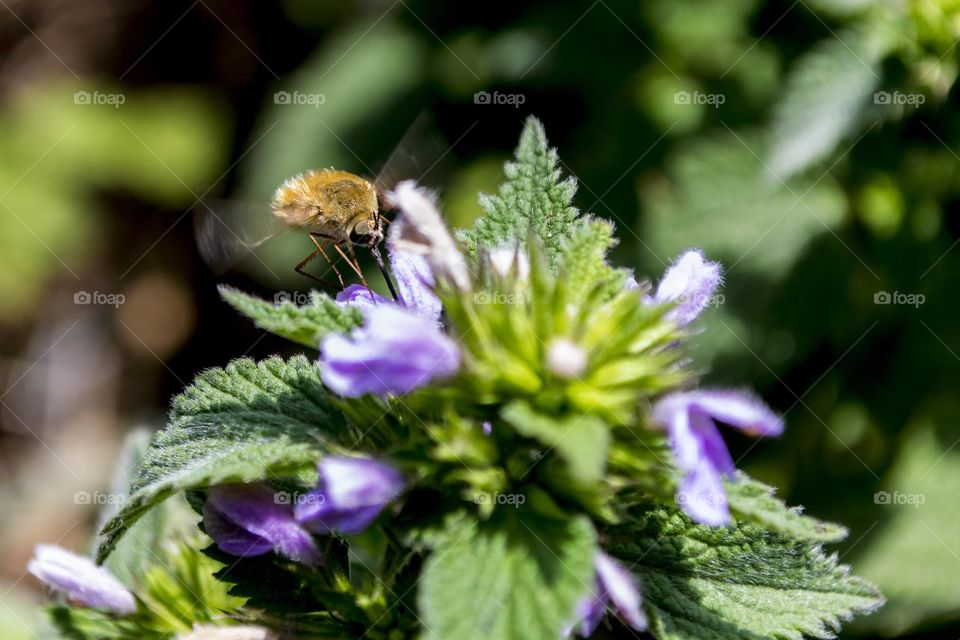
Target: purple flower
[(414, 280), (615, 586), (82, 580), (690, 282), (414, 277), (252, 519), (351, 494), (690, 419), (396, 351), (357, 295)]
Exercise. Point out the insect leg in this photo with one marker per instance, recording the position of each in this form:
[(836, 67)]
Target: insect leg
[(299, 269), (313, 238), (351, 263), (356, 265)]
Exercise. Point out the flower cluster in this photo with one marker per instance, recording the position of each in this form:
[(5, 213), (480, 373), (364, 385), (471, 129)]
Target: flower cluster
[(515, 446)]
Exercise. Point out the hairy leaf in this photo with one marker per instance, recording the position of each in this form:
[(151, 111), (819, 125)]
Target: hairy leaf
[(240, 424), (725, 583), (754, 502), (581, 441), (515, 577), (823, 101), (303, 324), (533, 199)]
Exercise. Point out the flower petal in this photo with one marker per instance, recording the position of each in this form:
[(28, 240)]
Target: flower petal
[(690, 282), (81, 579), (424, 232), (415, 281), (396, 351), (357, 295), (740, 409), (256, 509), (621, 588), (359, 482), (352, 493), (702, 496)]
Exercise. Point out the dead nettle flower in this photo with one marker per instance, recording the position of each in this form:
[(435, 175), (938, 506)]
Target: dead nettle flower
[(422, 231), (615, 586), (83, 581), (252, 519), (565, 358), (395, 351), (351, 494), (690, 282), (690, 419)]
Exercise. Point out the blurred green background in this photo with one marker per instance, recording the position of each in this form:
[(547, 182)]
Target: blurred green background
[(811, 146)]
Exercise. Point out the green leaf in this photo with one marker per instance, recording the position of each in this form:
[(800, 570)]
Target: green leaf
[(721, 197), (721, 583), (823, 101), (304, 325), (534, 199), (517, 576), (585, 259), (581, 441), (910, 549), (240, 424), (754, 502)]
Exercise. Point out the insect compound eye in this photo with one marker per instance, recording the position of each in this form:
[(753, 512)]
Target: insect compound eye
[(361, 233)]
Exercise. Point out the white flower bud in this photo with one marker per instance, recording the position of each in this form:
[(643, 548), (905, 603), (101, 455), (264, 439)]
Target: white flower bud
[(566, 358)]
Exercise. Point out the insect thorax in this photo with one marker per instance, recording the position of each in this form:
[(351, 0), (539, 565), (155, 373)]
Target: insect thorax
[(326, 200)]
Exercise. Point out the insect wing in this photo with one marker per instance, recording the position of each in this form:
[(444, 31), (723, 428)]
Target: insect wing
[(228, 231), (423, 154)]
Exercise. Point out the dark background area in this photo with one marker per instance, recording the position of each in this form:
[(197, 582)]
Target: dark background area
[(809, 146)]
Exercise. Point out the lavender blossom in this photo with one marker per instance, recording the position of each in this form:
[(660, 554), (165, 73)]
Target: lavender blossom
[(396, 351), (82, 580), (615, 586), (690, 282), (252, 519), (351, 494), (690, 419)]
